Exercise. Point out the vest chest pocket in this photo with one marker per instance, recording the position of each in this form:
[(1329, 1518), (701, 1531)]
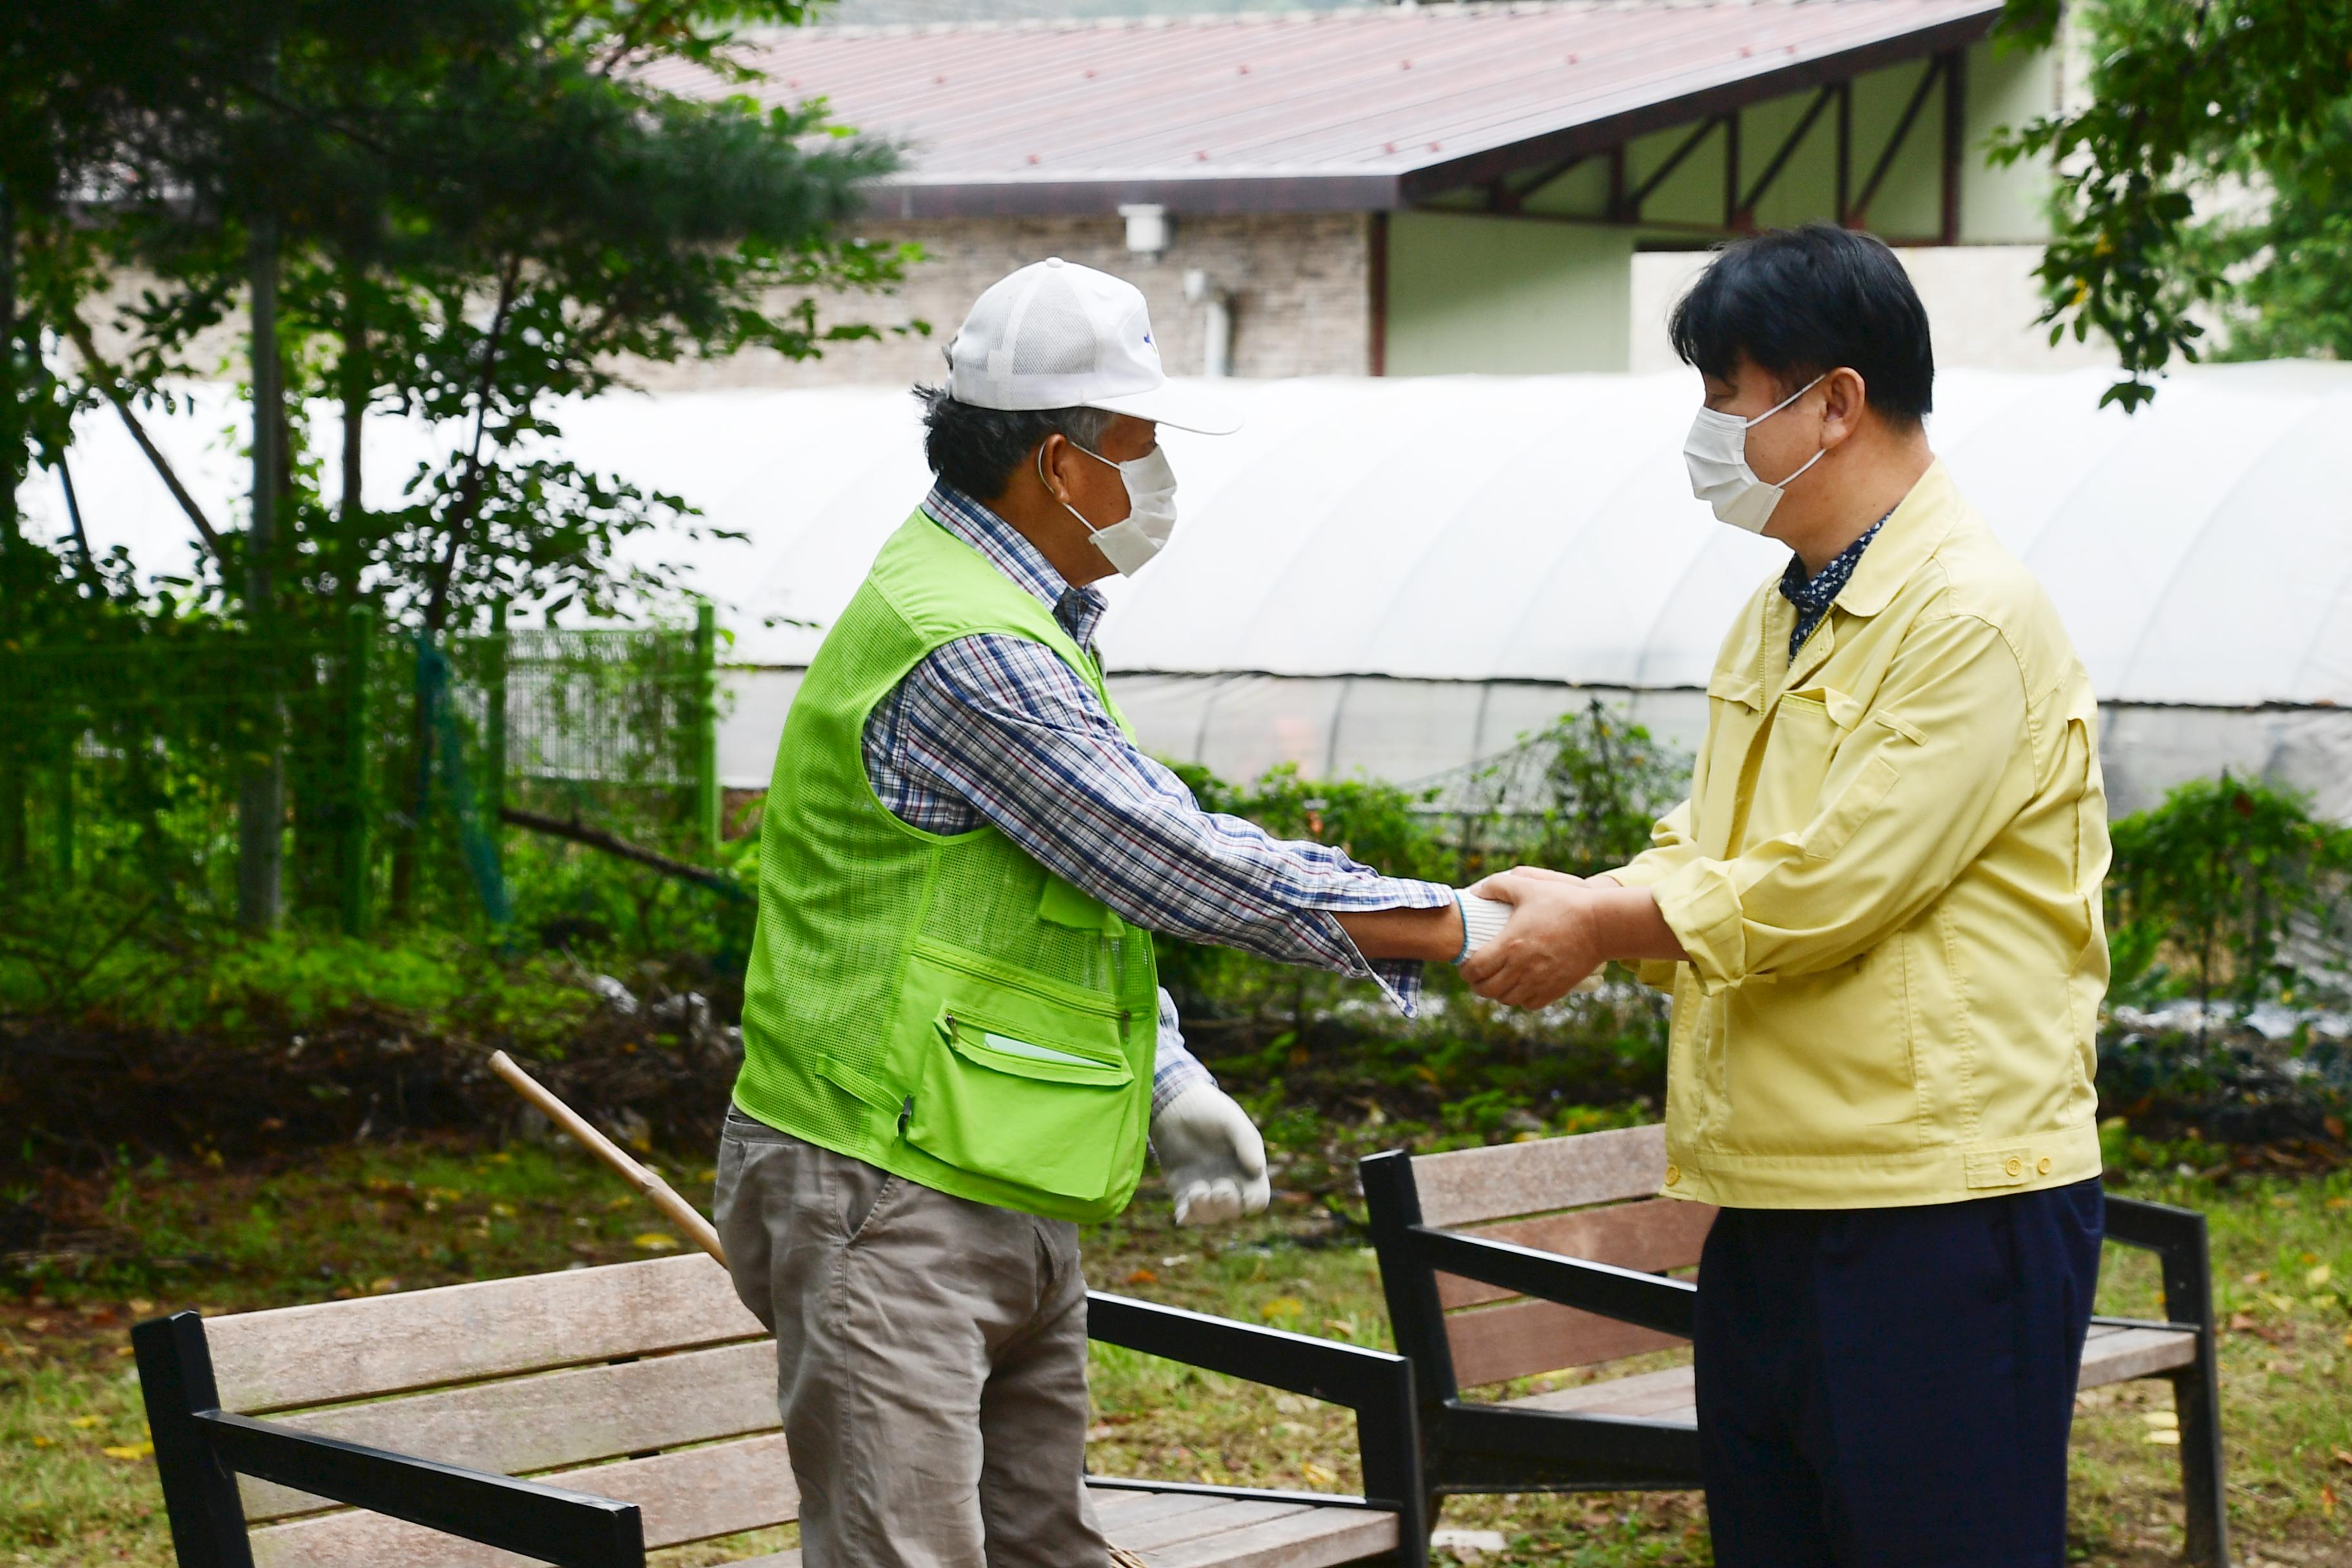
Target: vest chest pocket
[(1021, 1084)]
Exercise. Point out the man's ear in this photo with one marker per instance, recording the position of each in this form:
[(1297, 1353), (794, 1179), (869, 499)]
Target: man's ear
[(1046, 466), (1845, 405)]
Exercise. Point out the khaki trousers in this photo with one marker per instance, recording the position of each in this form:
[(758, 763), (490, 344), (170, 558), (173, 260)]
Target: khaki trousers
[(930, 1360)]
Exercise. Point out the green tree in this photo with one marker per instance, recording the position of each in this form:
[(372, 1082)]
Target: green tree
[(468, 209), (2209, 886), (2241, 102)]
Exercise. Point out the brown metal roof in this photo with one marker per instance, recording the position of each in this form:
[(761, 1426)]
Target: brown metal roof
[(1336, 111)]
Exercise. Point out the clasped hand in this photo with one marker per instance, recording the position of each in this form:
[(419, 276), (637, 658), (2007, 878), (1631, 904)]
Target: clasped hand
[(1551, 945)]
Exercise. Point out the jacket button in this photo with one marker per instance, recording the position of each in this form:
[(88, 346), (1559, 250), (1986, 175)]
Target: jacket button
[(2015, 1166), (1674, 1173), (2042, 1166)]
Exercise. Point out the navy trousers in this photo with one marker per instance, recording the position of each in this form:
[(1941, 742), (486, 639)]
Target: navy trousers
[(1892, 1388)]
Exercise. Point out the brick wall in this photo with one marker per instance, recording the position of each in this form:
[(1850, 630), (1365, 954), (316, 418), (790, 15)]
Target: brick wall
[(1301, 285)]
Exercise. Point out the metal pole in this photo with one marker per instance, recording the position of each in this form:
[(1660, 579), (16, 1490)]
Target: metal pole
[(706, 728), (261, 791), (493, 734), (359, 751), (67, 746)]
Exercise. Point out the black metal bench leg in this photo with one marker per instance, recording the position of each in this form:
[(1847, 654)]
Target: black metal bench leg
[(200, 1496), (2195, 1399), (2179, 1239)]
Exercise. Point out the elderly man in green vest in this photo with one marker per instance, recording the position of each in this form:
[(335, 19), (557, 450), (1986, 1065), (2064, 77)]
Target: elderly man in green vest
[(956, 1048)]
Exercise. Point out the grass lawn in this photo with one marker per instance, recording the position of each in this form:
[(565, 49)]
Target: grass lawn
[(77, 1486)]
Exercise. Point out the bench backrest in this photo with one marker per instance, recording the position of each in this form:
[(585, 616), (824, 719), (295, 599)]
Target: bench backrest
[(1593, 1195), (596, 1379)]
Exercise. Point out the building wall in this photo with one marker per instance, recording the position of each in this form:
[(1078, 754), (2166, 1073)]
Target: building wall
[(1982, 301), (1469, 293), (1301, 286)]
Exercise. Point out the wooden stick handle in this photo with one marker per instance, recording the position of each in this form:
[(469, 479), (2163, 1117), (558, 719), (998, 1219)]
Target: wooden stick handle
[(675, 1209)]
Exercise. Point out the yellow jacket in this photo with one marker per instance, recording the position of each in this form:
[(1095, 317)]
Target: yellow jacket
[(1888, 881)]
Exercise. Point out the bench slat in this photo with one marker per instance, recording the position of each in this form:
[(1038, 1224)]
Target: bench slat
[(1654, 1235), (1224, 1514), (1657, 1394), (334, 1351), (2126, 1353), (1118, 1507), (2112, 1353), (1312, 1538), (1315, 1538), (1507, 1180), (526, 1424), (1498, 1343), (688, 1496)]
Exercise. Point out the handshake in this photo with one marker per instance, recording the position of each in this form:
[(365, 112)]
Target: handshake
[(1559, 931)]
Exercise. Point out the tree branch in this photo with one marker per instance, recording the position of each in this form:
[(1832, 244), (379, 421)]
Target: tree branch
[(469, 488), (109, 382), (578, 832)]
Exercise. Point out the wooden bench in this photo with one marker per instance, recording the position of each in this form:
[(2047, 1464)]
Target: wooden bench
[(587, 1417), (1526, 1258)]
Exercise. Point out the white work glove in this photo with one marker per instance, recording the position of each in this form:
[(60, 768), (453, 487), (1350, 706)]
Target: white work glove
[(1483, 919), (1212, 1156)]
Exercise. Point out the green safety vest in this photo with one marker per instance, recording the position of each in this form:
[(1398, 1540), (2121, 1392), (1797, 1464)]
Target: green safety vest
[(941, 1006)]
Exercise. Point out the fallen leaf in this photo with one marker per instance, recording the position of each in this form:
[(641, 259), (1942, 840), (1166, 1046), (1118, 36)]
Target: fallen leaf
[(1282, 1307), (2319, 1276), (504, 1211), (36, 1325), (140, 1305), (45, 1442), (2161, 1417), (383, 1287), (128, 1451), (2327, 1499), (124, 1351), (2344, 1456), (1343, 1327), (1143, 1277), (653, 1241), (83, 1423), (2165, 1435), (1319, 1475)]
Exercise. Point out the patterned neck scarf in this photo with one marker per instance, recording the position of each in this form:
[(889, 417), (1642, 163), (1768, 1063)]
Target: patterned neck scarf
[(1813, 596)]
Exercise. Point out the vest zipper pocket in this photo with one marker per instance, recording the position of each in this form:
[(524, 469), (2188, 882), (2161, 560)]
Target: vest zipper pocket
[(1011, 978)]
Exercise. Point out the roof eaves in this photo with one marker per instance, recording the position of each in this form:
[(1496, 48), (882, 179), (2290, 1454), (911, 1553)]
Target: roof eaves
[(1436, 176), (901, 197)]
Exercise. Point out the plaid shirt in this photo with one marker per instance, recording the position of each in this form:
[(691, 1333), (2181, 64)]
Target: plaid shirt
[(998, 729)]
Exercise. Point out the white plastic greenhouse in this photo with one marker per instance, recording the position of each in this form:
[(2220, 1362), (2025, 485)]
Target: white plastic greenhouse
[(1396, 577)]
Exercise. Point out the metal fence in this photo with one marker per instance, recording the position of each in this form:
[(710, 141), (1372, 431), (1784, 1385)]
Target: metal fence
[(121, 763)]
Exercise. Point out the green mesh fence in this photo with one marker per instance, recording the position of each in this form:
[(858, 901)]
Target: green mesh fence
[(121, 763)]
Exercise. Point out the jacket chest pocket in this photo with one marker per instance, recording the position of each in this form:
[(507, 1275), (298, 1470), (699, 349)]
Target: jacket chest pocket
[(1794, 762), (1734, 714)]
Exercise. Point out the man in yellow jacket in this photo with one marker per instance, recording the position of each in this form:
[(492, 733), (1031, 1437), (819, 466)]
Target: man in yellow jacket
[(1879, 911)]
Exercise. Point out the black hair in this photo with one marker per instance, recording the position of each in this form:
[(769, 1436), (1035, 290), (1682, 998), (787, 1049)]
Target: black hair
[(977, 449), (1798, 302)]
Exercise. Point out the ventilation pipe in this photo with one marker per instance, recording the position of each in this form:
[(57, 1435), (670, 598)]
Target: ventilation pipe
[(1217, 323)]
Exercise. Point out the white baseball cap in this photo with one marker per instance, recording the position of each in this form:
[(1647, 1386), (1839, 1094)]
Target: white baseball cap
[(1058, 335)]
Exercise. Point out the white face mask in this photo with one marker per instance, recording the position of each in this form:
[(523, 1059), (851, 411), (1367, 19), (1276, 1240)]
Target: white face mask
[(1715, 452), (1130, 544)]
